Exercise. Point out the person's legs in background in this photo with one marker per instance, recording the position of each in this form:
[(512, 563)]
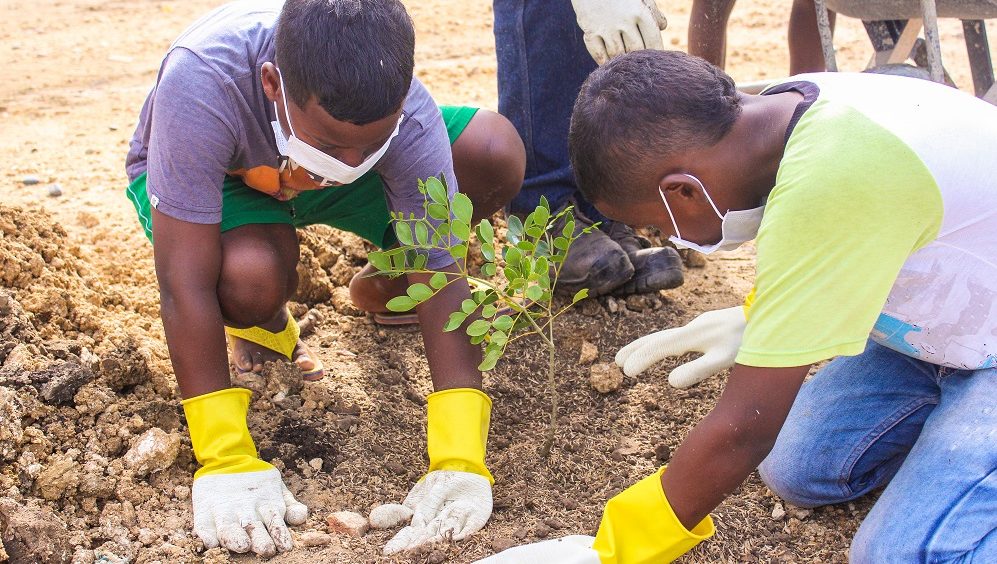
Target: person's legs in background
[(708, 30), (805, 51), (542, 63)]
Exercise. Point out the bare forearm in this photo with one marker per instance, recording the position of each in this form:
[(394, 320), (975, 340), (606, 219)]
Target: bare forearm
[(453, 360), (196, 340), (727, 445)]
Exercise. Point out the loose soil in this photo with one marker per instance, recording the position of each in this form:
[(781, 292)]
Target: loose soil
[(85, 371)]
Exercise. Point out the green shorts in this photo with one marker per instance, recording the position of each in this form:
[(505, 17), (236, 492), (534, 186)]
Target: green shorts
[(359, 207)]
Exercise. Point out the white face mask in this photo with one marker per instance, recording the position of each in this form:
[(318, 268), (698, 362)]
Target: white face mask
[(737, 227), (323, 168)]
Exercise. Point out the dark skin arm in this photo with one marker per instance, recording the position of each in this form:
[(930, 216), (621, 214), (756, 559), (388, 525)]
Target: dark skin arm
[(453, 360), (188, 263), (730, 442)]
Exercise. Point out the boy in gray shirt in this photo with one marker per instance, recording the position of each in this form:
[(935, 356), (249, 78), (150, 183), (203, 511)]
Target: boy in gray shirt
[(268, 116)]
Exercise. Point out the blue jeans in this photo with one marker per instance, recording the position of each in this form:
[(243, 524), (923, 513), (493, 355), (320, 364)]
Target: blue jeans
[(928, 433), (542, 63)]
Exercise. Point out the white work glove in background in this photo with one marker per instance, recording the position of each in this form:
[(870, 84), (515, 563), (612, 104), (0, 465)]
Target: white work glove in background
[(444, 505), (575, 549), (246, 511), (717, 334), (614, 27)]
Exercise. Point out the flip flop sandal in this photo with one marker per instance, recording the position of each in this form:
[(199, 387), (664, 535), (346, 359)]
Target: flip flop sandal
[(282, 342)]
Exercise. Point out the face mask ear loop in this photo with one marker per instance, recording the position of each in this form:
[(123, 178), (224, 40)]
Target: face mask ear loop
[(698, 181), (287, 114), (670, 215)]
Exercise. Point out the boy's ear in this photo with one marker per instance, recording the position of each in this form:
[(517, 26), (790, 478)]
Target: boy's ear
[(678, 185), (271, 81)]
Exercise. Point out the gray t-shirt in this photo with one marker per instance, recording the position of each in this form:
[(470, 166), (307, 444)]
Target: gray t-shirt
[(207, 117)]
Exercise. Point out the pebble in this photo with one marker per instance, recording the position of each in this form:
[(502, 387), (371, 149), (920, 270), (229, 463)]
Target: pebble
[(554, 523), (154, 450), (315, 538), (347, 523), (778, 512), (605, 377), (542, 531), (612, 305), (316, 464), (54, 190), (662, 452), (31, 180), (589, 354), (520, 533), (437, 557), (502, 543)]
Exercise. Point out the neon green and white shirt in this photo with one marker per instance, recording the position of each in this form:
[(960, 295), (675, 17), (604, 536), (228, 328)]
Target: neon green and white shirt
[(882, 224)]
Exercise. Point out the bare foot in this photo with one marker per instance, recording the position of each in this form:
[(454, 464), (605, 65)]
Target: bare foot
[(250, 357)]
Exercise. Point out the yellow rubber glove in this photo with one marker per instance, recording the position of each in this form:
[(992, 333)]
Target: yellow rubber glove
[(639, 527), (454, 499), (457, 429), (240, 502)]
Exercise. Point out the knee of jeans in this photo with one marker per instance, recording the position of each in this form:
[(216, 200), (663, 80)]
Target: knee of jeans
[(876, 541), (804, 481)]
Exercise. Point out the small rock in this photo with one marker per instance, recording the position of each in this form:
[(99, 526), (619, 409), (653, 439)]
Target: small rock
[(437, 557), (389, 515), (542, 531), (639, 302), (605, 377), (800, 513), (33, 534), (343, 303), (54, 190), (554, 523), (778, 512), (316, 464), (612, 305), (347, 523), (502, 543), (590, 307), (147, 536), (30, 180), (520, 533), (693, 259), (662, 452), (589, 354), (153, 451), (315, 538)]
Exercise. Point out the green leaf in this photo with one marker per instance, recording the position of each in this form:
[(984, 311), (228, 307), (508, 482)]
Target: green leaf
[(534, 293), (485, 232), (542, 217), (513, 256), (477, 340), (569, 228), (438, 280), (488, 269), (404, 233), (490, 360), (541, 266), (561, 243), (534, 231), (488, 251), (512, 274), (437, 191), (420, 261), (544, 204), (468, 306), (422, 187), (438, 211), (580, 295), (478, 328), (398, 261), (380, 260), (457, 319), (460, 229), (514, 232), (419, 292), (526, 246), (462, 207), (499, 338), (489, 311), (459, 252), (503, 323), (400, 304), (422, 233)]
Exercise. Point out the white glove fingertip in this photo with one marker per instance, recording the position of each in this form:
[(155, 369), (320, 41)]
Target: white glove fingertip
[(596, 47), (650, 32), (274, 523), (389, 515), (233, 537), (259, 540), (296, 512)]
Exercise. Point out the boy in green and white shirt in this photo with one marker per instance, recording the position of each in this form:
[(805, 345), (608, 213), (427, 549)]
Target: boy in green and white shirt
[(873, 200)]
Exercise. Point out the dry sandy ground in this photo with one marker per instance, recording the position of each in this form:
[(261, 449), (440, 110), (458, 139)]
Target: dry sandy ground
[(79, 310)]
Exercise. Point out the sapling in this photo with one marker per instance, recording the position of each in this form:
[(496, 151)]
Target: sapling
[(511, 298)]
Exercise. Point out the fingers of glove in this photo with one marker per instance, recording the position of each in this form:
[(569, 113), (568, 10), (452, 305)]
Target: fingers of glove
[(296, 512), (614, 44), (259, 539), (702, 368), (632, 39), (204, 528), (409, 538), (389, 515), (680, 335), (231, 536), (650, 32), (464, 519), (654, 351), (273, 520), (659, 19), (596, 47)]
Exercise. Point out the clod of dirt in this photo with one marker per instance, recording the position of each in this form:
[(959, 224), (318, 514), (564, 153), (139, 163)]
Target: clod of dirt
[(33, 534), (315, 538), (56, 384), (589, 354), (343, 303), (124, 366), (60, 476), (389, 515), (153, 451), (605, 377), (502, 543), (692, 259), (347, 523), (662, 452), (11, 431)]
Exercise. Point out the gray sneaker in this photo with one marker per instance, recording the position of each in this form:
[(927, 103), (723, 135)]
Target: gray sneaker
[(655, 268), (594, 261)]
